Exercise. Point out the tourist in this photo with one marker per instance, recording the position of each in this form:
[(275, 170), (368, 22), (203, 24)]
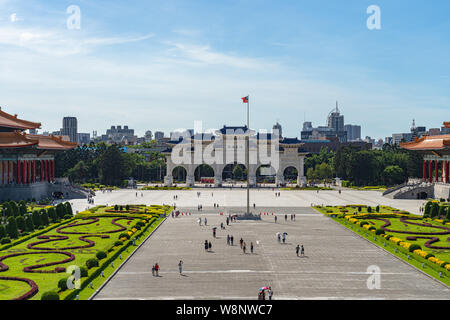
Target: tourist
[(251, 247), (206, 245), (214, 231), (244, 246), (232, 240), (285, 218), (241, 242), (276, 219), (279, 237), (270, 293), (302, 251), (180, 266), (228, 221), (157, 269), (228, 239), (199, 221), (209, 246), (206, 221), (284, 237), (297, 249), (153, 270)]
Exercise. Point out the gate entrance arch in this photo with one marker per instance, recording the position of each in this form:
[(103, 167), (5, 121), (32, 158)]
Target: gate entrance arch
[(226, 148)]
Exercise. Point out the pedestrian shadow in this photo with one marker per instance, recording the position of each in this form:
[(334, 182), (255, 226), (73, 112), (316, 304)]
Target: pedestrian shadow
[(210, 251), (286, 243), (303, 257), (184, 275)]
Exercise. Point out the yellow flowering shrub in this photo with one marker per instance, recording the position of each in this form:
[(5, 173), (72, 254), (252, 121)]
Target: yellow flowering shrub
[(405, 245), (447, 267), (421, 253), (395, 240)]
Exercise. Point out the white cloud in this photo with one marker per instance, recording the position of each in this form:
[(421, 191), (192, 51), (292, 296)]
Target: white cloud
[(59, 43)]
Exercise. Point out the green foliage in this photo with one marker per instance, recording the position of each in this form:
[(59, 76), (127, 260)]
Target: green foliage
[(22, 208), (20, 221), (52, 215), (379, 232), (44, 218), (11, 228), (100, 255), (414, 246), (62, 284), (83, 272), (14, 209), (2, 231), (118, 243), (427, 210), (91, 263), (434, 210), (69, 210), (60, 210), (124, 235), (37, 222), (29, 223), (5, 240), (50, 295)]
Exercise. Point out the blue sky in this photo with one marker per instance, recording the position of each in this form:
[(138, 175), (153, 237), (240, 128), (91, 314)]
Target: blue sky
[(161, 65)]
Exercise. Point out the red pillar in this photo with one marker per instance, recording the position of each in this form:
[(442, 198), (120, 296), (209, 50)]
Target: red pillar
[(446, 171), (18, 172), (53, 169), (28, 171), (45, 170), (3, 172), (42, 171), (424, 171), (430, 172), (436, 178)]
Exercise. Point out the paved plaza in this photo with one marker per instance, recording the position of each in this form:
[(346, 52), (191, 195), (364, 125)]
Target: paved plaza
[(334, 267), (262, 198)]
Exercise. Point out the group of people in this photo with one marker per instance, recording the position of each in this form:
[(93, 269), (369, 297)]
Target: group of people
[(175, 197), (199, 220), (300, 249), (155, 270), (277, 194), (207, 245), (199, 207)]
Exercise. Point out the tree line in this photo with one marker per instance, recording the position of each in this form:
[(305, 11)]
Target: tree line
[(388, 166)]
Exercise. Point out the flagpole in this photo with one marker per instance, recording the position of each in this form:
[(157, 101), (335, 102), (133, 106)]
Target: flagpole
[(248, 155)]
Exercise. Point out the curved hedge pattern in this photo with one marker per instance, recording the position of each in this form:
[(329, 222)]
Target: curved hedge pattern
[(49, 250)]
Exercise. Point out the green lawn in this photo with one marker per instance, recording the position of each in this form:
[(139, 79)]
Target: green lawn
[(98, 231)]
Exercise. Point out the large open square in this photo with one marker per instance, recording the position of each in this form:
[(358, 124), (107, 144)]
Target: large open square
[(335, 265)]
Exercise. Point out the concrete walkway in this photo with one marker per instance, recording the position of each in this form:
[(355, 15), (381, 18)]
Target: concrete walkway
[(334, 267)]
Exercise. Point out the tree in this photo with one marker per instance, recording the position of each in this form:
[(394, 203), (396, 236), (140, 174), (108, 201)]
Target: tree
[(36, 219), (14, 209), (52, 214), (11, 228), (29, 223), (79, 173), (393, 175), (238, 172), (2, 231), (427, 210), (60, 210), (20, 221), (22, 208), (448, 213), (44, 218), (69, 210), (434, 210), (113, 166)]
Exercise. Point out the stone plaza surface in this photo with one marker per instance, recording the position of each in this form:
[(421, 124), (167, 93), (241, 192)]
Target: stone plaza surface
[(334, 267), (262, 198)]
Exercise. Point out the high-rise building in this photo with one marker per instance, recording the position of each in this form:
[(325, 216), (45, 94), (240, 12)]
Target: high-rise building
[(84, 138), (336, 120), (277, 126), (353, 132), (159, 135), (70, 128)]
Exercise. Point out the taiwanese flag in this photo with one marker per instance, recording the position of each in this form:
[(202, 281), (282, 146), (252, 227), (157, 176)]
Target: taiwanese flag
[(245, 99)]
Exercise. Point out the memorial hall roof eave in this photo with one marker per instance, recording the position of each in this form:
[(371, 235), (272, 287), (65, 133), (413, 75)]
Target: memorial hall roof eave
[(428, 143), (16, 139), (11, 121), (53, 143)]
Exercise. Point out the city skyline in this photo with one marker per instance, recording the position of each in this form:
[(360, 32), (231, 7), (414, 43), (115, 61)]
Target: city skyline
[(163, 66)]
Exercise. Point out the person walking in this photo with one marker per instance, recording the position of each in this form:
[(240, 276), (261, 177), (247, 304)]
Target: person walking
[(285, 218), (270, 293), (228, 221), (279, 237), (284, 237), (206, 245), (276, 219), (251, 247), (241, 242), (214, 232), (199, 221), (302, 251), (153, 270), (206, 221), (209, 246), (157, 269), (244, 247), (297, 249), (228, 239), (180, 266), (232, 240)]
